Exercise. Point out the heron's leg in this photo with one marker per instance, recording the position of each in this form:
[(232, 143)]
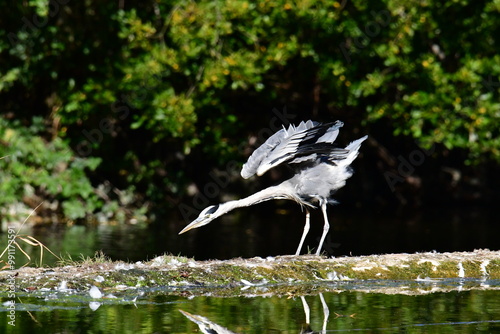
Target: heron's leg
[(306, 230), (326, 312), (326, 227)]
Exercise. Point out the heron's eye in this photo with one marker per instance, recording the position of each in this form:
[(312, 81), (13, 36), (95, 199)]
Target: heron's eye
[(211, 210)]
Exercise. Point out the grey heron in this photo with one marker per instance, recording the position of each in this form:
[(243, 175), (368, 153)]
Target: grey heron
[(321, 169)]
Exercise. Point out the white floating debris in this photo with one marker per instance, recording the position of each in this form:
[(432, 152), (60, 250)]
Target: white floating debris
[(95, 292), (247, 283), (426, 279), (158, 261), (485, 285), (483, 266), (461, 270), (94, 305), (332, 276), (139, 280), (121, 287), (175, 262), (99, 279), (63, 286), (124, 266), (244, 281)]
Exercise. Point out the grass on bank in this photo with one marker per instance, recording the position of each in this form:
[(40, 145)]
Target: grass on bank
[(98, 258), (17, 240)]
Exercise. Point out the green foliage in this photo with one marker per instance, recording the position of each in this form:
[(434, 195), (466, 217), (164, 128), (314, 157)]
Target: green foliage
[(34, 168), (430, 77)]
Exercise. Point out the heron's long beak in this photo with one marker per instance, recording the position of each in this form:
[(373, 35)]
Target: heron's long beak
[(195, 224)]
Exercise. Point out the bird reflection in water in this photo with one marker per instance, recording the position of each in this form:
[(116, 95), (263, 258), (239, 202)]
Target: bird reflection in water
[(307, 311), (206, 326), (210, 327)]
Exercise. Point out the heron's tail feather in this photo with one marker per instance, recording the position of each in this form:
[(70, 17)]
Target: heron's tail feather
[(353, 149), (355, 145)]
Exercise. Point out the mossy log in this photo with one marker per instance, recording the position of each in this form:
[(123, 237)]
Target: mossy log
[(180, 275)]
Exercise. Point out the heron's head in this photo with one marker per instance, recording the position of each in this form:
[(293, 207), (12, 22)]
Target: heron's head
[(205, 217)]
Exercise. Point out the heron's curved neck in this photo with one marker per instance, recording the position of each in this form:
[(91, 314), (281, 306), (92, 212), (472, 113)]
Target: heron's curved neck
[(280, 191)]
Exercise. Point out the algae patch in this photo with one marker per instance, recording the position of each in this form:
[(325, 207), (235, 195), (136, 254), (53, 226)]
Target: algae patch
[(182, 275)]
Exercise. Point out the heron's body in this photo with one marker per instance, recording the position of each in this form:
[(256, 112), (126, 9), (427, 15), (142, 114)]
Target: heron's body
[(321, 169)]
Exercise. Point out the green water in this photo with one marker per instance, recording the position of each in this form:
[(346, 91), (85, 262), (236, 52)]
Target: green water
[(350, 310), (265, 233), (358, 307)]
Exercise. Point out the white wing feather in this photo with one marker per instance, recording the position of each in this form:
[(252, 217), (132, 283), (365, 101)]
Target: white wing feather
[(283, 146), (283, 142)]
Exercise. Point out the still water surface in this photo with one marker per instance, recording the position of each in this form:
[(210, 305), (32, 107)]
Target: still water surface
[(266, 231), (251, 233), (155, 311)]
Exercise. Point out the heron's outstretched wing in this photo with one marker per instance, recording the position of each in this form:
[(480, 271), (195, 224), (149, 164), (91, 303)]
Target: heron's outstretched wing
[(295, 144), (319, 152)]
